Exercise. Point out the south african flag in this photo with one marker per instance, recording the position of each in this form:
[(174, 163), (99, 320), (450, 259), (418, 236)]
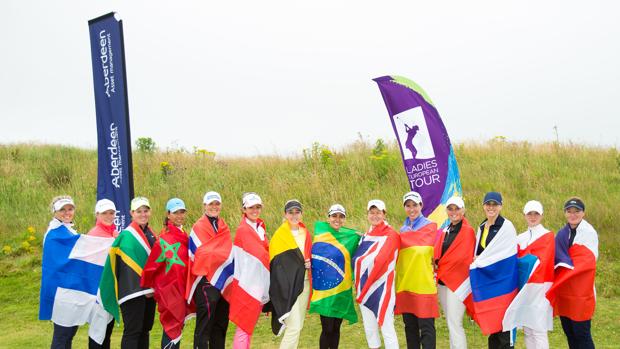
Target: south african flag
[(332, 275)]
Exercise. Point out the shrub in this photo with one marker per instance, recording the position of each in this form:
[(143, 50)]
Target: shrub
[(57, 176), (146, 145)]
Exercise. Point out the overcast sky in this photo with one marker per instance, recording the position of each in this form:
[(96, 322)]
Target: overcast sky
[(271, 77)]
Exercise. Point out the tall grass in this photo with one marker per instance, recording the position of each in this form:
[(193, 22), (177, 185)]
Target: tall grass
[(30, 175)]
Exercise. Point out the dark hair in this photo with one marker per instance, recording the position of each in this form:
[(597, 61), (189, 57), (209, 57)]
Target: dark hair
[(166, 220)]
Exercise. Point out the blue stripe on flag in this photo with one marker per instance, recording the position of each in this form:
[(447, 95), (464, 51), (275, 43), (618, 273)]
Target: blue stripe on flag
[(228, 271), (374, 300), (495, 280)]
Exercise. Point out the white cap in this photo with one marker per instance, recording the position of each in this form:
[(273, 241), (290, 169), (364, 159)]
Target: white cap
[(138, 202), (58, 205), (104, 205), (533, 206), (251, 199), (210, 197), (455, 200), (376, 203), (336, 208), (412, 195)]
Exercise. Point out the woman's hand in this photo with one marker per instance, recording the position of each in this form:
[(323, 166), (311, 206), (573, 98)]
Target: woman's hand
[(307, 263)]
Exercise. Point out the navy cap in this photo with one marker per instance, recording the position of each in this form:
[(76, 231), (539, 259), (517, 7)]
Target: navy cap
[(576, 203), (492, 196), (291, 204)]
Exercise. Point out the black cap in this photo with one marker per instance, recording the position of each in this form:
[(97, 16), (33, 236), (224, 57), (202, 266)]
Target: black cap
[(576, 203), (291, 204)]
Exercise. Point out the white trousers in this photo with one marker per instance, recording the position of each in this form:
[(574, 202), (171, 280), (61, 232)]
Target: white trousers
[(535, 339), (371, 327), (295, 321), (453, 310)]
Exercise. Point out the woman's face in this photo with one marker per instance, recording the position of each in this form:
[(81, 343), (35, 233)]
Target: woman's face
[(533, 219), (253, 212), (492, 209), (574, 216), (455, 214), (375, 216), (336, 220), (107, 217), (141, 215), (66, 213), (293, 216), (177, 217), (413, 209), (213, 209)]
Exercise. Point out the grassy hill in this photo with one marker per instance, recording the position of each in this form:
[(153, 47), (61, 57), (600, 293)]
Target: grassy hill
[(30, 175)]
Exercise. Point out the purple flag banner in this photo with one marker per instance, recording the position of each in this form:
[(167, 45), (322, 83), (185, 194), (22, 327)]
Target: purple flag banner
[(114, 174), (424, 144)]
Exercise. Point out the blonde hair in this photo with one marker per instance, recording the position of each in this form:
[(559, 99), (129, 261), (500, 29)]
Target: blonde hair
[(56, 198)]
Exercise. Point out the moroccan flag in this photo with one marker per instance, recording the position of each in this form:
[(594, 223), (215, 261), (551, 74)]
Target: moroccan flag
[(425, 147), (332, 275), (416, 291), (572, 294), (287, 272), (120, 280), (166, 272)]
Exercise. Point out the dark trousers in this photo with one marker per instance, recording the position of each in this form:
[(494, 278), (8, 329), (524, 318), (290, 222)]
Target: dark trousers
[(63, 336), (166, 342), (577, 333), (138, 316), (419, 331), (211, 317), (106, 342), (330, 332), (500, 340)]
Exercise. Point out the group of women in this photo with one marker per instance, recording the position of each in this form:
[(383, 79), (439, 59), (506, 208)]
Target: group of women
[(407, 271)]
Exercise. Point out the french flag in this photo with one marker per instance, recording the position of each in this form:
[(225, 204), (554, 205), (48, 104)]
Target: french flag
[(494, 279), (72, 267), (573, 294), (530, 307)]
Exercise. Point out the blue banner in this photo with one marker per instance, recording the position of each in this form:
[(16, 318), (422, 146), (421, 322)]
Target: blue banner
[(114, 175)]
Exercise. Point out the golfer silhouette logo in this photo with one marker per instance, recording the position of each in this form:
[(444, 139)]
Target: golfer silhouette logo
[(415, 140)]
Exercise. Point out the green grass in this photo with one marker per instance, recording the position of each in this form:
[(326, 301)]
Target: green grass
[(30, 175)]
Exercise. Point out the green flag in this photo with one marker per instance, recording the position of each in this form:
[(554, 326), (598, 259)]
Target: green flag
[(332, 275), (120, 280)]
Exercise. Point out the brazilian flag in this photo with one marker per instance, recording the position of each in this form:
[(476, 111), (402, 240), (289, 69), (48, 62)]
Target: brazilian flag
[(332, 275)]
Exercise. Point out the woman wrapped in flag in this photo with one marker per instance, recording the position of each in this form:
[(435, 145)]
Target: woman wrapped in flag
[(71, 270), (166, 273), (454, 252), (332, 275), (290, 285), (416, 291), (120, 281), (573, 295), (248, 292), (105, 213), (210, 247), (374, 263), (530, 309), (493, 273)]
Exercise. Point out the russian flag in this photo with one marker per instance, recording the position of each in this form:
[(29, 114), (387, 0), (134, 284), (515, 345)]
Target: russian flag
[(573, 294), (72, 267), (494, 279)]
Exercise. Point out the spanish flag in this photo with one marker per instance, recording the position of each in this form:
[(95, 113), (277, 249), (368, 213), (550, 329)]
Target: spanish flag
[(287, 272), (332, 274), (416, 291)]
